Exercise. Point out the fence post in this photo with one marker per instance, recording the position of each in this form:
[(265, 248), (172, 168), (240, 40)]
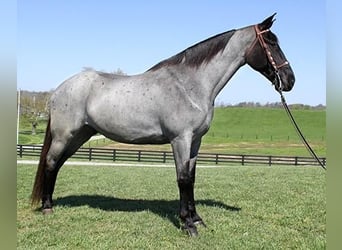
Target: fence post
[(242, 160), (114, 154), (90, 152), (164, 157), (139, 155), (21, 151), (216, 159), (296, 160), (270, 160)]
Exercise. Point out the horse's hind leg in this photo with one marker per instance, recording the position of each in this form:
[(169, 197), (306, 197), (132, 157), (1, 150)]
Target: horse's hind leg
[(62, 147), (53, 165)]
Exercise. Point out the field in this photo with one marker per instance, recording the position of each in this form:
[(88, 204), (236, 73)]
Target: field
[(265, 131), (245, 207), (136, 208), (238, 130)]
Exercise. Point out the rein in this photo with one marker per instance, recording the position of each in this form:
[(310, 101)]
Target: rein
[(300, 134), (276, 68)]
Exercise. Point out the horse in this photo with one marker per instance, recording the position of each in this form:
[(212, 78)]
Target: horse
[(172, 102)]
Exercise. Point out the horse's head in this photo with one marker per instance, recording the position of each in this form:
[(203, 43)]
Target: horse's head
[(266, 57)]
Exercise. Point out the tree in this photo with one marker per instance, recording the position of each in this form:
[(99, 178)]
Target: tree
[(119, 71)]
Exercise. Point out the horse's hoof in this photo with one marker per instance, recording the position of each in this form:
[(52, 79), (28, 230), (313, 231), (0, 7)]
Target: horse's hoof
[(192, 231), (47, 211), (200, 222)]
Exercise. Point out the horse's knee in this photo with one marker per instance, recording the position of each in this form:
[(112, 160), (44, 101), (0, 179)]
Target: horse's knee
[(184, 181), (184, 175), (50, 164)]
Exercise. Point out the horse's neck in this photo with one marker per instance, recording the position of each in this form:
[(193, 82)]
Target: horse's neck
[(215, 74)]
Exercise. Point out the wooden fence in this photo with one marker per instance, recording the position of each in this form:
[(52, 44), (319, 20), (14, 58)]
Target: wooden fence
[(121, 155)]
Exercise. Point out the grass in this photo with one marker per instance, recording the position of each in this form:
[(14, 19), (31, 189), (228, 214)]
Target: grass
[(265, 131), (25, 131), (237, 130), (268, 124), (136, 208)]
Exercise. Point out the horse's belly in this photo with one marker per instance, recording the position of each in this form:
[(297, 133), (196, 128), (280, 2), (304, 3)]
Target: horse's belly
[(129, 125), (139, 139), (132, 132)]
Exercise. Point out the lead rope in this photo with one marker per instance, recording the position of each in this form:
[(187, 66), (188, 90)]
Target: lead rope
[(300, 134)]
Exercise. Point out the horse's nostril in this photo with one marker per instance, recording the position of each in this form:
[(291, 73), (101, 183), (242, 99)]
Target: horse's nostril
[(292, 79)]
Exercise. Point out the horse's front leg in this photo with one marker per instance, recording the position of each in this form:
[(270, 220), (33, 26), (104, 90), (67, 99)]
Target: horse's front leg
[(181, 149), (187, 206), (192, 168)]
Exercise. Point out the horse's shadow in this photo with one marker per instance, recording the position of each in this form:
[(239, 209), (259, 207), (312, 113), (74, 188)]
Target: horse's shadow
[(163, 208)]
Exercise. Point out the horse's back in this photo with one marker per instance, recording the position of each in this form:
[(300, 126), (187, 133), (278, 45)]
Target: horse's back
[(74, 92)]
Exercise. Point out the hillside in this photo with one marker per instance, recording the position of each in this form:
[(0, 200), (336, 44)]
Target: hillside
[(265, 131), (263, 123)]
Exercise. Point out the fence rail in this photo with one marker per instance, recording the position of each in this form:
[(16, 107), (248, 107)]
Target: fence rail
[(167, 157)]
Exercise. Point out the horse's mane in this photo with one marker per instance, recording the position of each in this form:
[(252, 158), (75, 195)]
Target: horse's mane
[(199, 53), (109, 75)]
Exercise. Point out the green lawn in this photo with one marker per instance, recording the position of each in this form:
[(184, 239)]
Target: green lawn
[(136, 208), (265, 131), (266, 124)]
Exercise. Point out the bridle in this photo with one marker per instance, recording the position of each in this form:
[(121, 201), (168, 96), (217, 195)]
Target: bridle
[(259, 38)]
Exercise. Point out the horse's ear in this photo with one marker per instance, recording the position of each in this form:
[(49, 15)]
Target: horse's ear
[(267, 23)]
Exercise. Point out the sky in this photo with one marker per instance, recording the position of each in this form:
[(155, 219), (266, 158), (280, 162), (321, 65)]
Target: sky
[(57, 39)]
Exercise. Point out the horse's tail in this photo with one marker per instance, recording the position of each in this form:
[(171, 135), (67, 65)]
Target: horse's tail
[(37, 192)]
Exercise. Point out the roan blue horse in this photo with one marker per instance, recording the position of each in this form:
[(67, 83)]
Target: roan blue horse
[(172, 102)]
